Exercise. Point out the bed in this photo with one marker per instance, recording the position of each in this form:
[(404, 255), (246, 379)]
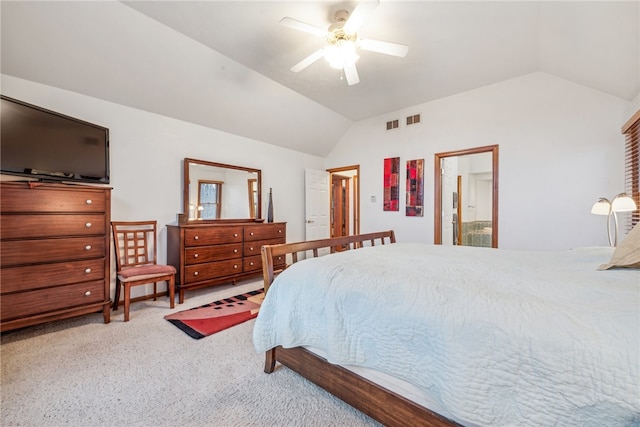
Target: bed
[(418, 334)]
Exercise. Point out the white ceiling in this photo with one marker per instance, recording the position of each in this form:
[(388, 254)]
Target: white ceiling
[(226, 64)]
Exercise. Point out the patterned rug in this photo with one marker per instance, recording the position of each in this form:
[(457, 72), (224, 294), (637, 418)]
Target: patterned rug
[(200, 322)]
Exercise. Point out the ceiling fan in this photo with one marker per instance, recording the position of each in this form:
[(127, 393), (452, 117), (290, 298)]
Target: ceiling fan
[(342, 41)]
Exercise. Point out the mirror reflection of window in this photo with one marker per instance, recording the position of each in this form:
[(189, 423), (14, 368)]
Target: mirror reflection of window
[(209, 199), (252, 185), (233, 192)]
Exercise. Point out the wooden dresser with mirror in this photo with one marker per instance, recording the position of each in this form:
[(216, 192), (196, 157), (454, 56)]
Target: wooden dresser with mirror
[(220, 238)]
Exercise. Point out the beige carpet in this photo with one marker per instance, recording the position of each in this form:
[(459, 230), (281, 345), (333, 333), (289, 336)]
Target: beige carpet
[(146, 372)]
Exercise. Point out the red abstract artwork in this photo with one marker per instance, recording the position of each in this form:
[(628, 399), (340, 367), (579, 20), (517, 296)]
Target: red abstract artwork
[(415, 187), (391, 184)]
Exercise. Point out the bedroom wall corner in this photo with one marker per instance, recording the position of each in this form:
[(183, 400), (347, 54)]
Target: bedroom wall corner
[(147, 149), (560, 149)]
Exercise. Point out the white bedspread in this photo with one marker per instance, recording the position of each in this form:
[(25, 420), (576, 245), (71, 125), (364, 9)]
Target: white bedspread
[(497, 337)]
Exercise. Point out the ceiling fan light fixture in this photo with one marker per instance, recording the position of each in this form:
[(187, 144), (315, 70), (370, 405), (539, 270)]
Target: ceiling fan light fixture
[(342, 54), (342, 41)]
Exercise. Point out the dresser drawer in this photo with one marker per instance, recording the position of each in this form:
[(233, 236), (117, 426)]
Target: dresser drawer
[(279, 261), (43, 199), (252, 263), (45, 275), (201, 254), (253, 248), (44, 300), (212, 236), (21, 252), (25, 226), (212, 270), (264, 231)]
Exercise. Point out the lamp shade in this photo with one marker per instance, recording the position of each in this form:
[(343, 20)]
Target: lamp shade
[(601, 207), (623, 203)]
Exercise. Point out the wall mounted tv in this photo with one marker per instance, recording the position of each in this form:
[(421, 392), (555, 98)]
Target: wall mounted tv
[(45, 145)]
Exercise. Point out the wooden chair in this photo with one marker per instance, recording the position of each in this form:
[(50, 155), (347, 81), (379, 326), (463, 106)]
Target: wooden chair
[(136, 254)]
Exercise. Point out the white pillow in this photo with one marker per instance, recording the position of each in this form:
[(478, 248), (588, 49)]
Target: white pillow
[(627, 254)]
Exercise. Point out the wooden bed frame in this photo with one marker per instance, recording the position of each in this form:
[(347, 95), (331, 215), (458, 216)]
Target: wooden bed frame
[(379, 403)]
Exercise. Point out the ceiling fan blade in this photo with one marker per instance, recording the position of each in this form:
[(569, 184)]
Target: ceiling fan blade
[(359, 15), (308, 61), (351, 72), (303, 26), (384, 47)]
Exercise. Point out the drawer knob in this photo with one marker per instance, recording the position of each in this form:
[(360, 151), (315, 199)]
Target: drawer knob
[(195, 237), (88, 225), (235, 251), (86, 294), (235, 234), (235, 266), (87, 248), (87, 270), (89, 201), (251, 234), (195, 273), (195, 255), (251, 263), (280, 231), (251, 248)]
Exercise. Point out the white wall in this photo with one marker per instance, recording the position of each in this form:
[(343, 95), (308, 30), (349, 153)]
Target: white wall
[(560, 149), (635, 105), (146, 159)]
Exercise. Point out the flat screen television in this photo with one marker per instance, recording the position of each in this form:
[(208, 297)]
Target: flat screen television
[(45, 145)]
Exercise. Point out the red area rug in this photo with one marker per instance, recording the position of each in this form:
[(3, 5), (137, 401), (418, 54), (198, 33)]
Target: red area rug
[(200, 322)]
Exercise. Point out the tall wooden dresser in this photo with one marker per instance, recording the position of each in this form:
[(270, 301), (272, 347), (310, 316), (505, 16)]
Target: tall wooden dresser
[(54, 252), (211, 254)]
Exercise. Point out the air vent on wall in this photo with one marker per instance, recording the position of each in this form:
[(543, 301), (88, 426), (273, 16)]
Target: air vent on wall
[(412, 120), (393, 124)]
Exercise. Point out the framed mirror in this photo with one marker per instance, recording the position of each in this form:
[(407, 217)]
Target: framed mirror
[(466, 197), (216, 191)]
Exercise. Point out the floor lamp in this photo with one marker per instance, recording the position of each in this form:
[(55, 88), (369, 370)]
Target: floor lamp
[(620, 203)]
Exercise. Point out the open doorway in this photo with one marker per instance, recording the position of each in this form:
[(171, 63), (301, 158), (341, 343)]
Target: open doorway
[(345, 200)]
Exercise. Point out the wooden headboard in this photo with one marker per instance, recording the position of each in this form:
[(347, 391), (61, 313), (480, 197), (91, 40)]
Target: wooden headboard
[(271, 252)]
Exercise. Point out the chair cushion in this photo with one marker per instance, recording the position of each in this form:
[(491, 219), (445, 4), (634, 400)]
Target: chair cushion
[(143, 270)]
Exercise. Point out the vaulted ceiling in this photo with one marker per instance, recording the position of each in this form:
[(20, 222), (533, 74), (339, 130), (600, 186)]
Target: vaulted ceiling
[(226, 64)]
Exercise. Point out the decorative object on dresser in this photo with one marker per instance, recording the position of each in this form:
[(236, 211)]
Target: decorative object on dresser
[(207, 254), (55, 252), (136, 261), (270, 208)]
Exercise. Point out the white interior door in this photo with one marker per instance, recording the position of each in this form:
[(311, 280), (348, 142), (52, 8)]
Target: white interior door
[(317, 219)]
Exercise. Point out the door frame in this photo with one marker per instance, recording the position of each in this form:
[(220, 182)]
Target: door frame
[(437, 203), (356, 191), (340, 197)]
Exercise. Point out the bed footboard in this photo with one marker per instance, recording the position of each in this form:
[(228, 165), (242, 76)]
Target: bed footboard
[(271, 252)]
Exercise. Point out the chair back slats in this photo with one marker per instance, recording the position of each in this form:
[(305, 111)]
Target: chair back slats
[(134, 242)]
